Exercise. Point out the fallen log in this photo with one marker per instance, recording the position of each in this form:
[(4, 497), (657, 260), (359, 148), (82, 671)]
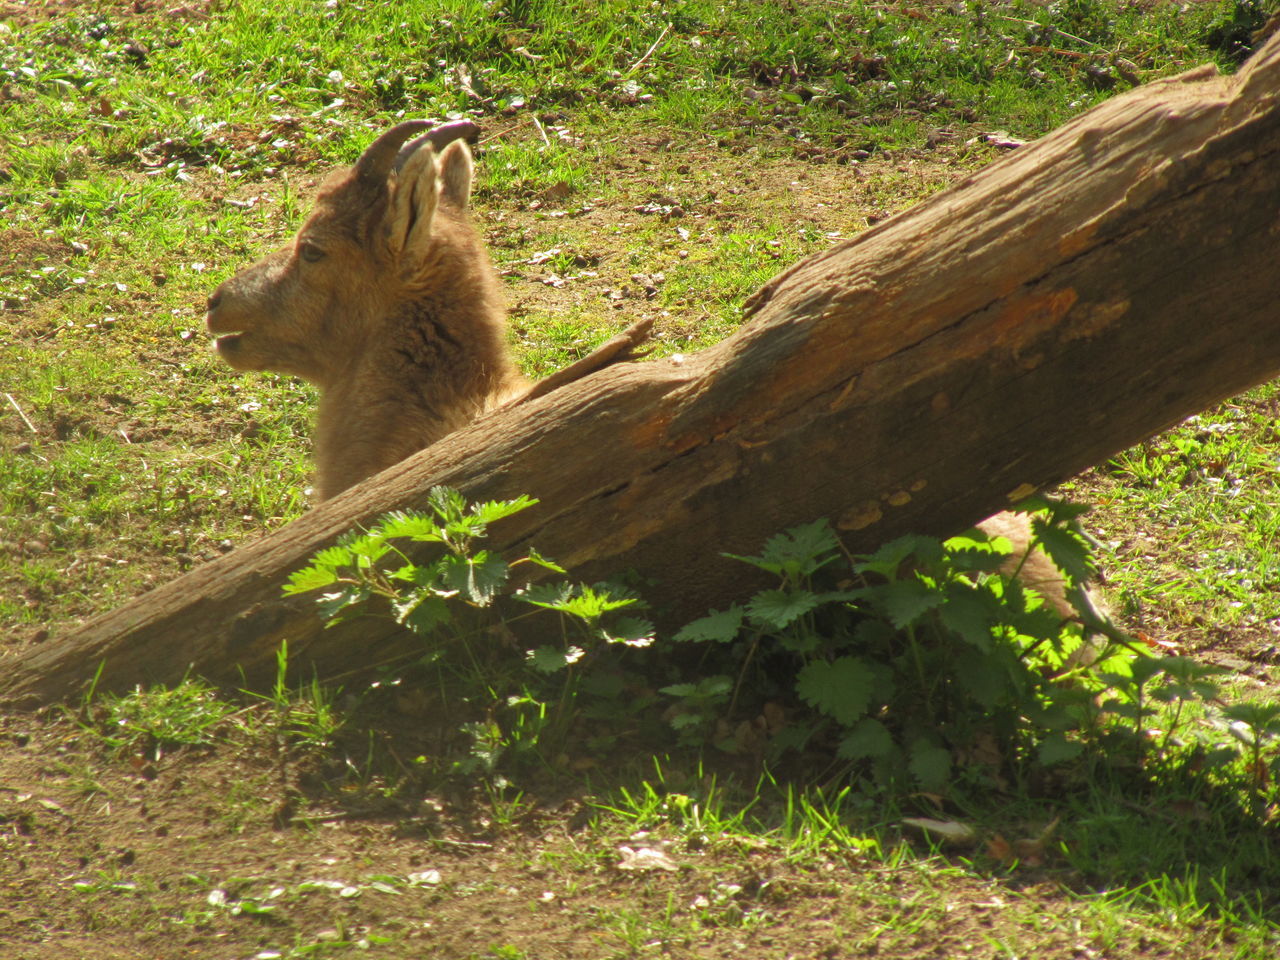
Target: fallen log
[(1093, 288)]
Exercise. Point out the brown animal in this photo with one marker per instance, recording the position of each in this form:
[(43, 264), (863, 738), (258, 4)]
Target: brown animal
[(385, 300), (1034, 569)]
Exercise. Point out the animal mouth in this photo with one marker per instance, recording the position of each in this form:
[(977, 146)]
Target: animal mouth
[(227, 342)]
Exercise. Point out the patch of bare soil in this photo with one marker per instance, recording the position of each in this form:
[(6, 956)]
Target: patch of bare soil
[(25, 12), (22, 247)]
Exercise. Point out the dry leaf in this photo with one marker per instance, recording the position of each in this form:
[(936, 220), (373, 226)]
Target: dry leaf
[(947, 830), (645, 858), (998, 848)]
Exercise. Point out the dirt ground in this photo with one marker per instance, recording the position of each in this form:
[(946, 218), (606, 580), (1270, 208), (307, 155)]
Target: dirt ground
[(244, 851)]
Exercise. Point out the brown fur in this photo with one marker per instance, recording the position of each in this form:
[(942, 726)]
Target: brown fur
[(1036, 570), (387, 301)]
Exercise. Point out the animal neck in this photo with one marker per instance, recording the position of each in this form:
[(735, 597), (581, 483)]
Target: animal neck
[(387, 408), (349, 352)]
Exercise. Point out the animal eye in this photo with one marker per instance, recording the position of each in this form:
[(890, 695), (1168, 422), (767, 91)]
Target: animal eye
[(309, 251)]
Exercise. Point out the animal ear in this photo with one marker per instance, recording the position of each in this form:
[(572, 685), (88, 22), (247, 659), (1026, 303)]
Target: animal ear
[(414, 194), (456, 173)]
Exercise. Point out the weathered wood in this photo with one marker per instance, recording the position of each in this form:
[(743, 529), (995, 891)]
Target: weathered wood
[(1093, 288)]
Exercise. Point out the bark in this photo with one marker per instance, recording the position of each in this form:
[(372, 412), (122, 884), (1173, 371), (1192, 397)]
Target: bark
[(1090, 290)]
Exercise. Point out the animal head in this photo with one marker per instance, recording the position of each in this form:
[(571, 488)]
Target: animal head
[(308, 307)]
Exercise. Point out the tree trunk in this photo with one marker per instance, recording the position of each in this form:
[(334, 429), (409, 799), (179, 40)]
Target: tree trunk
[(1091, 289)]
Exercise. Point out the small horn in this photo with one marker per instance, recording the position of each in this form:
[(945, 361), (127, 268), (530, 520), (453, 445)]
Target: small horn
[(439, 138), (377, 160)]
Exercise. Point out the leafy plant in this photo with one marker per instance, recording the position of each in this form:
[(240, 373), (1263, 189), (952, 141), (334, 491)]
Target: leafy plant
[(449, 599), (925, 656), (920, 663)]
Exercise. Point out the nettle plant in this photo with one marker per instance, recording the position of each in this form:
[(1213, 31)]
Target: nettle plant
[(448, 597), (928, 660), (915, 665)]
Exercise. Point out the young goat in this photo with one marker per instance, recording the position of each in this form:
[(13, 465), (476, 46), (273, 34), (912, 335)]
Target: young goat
[(386, 300)]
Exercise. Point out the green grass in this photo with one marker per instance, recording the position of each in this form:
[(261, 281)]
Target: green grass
[(1212, 486), (132, 183)]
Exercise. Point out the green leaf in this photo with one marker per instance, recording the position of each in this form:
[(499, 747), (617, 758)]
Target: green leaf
[(1058, 714), (632, 631), (981, 678), (803, 642), (547, 595), (545, 562), (1122, 708), (798, 552), (477, 578), (878, 638), (969, 612), (778, 608), (1187, 670), (447, 504), (806, 545), (983, 558), (1056, 748), (1146, 668), (333, 557), (720, 626), (310, 578), (930, 764), (906, 601), (1261, 717), (794, 736), (840, 689), (548, 659), (680, 690), (707, 690), (977, 551), (844, 596), (1068, 550), (590, 604), (321, 572), (334, 606), (412, 526), (890, 558), (869, 738), (423, 613), (493, 510), (1025, 610), (585, 603), (427, 575), (1057, 511), (609, 687), (371, 547)]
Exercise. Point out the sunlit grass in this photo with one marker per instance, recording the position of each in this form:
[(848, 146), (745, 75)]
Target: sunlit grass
[(130, 187)]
